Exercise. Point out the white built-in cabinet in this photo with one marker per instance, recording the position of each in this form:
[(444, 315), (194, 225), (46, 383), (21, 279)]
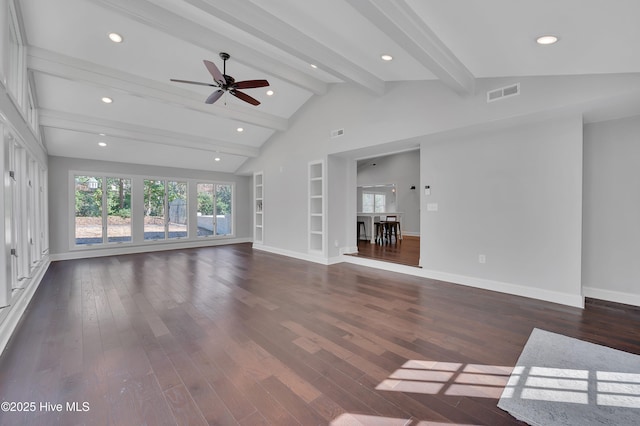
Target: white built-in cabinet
[(317, 207), (258, 208)]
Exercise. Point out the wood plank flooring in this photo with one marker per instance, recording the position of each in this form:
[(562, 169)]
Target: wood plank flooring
[(405, 251), (227, 335)]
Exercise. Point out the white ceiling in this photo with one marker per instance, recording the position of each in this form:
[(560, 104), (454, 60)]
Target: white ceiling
[(155, 121)]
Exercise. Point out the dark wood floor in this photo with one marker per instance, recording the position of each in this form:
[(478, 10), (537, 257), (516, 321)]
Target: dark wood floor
[(405, 251), (228, 335)]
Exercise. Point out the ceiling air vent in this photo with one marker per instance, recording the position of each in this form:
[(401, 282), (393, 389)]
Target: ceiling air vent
[(336, 133), (503, 92)]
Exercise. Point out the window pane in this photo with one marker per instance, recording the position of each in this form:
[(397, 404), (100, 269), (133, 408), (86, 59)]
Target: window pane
[(381, 204), (119, 210), (223, 210), (14, 76), (367, 203), (205, 209), (177, 199), (154, 220), (88, 215)]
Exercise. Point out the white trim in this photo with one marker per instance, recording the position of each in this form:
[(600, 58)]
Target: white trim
[(574, 300), (294, 254), (348, 250), (323, 214), (410, 234), (501, 287), (611, 295), (192, 185), (9, 319), (147, 248)]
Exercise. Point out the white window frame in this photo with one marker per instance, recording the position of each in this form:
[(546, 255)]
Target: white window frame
[(17, 70), (137, 210), (375, 194)]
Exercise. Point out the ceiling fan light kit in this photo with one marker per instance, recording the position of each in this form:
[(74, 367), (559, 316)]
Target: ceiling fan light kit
[(226, 83)]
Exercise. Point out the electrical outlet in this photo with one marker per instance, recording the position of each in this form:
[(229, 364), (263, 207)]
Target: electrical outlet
[(482, 258)]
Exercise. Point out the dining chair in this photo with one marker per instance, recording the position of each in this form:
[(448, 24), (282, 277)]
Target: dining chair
[(392, 227)]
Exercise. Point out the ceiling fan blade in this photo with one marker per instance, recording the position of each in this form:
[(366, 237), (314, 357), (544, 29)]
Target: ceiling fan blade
[(194, 82), (214, 97), (215, 72), (244, 97), (250, 84)]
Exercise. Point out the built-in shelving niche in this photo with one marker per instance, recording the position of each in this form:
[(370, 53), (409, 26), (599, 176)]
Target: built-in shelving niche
[(258, 208)]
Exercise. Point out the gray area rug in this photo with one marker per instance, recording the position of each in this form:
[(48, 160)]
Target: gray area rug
[(559, 380)]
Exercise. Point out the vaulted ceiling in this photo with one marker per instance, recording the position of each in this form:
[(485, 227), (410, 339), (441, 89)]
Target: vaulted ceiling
[(151, 120)]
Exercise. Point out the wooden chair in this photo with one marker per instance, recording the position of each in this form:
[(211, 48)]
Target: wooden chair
[(362, 226), (392, 227), (379, 231)]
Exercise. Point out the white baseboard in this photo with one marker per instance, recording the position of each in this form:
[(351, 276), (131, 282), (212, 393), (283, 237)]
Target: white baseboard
[(611, 295), (575, 300), (120, 249), (514, 289), (348, 250), (410, 234), (295, 254), (10, 316)]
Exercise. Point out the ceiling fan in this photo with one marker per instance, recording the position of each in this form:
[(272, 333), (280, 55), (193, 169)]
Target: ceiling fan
[(226, 83)]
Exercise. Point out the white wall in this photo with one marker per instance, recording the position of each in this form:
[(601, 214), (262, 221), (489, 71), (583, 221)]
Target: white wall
[(611, 239), (402, 169), (59, 203), (408, 115), (414, 109), (513, 195)]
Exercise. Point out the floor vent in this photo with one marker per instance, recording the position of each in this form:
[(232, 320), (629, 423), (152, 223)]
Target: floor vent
[(503, 92), (336, 133)]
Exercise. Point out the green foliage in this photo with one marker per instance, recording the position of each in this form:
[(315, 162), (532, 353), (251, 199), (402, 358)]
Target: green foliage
[(123, 213), (119, 197), (205, 204), (88, 200), (223, 199), (176, 191), (154, 197)]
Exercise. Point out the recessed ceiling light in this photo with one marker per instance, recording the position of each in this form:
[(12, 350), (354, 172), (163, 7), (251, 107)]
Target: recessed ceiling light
[(102, 143), (240, 129), (386, 57), (314, 66), (217, 159), (107, 100), (101, 134), (269, 92), (115, 37), (547, 39)]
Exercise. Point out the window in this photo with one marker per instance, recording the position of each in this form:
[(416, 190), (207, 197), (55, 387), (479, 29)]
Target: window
[(32, 111), (119, 210), (16, 71), (154, 210), (165, 214), (215, 204), (95, 195), (224, 203), (24, 205), (373, 203), (206, 218), (177, 208), (88, 217)]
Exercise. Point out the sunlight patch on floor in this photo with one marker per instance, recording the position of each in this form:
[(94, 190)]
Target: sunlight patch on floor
[(448, 378)]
